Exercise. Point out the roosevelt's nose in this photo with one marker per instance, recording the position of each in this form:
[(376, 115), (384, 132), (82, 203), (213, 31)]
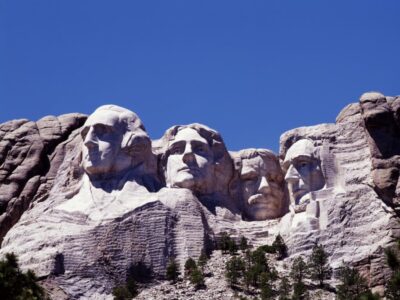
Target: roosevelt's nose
[(292, 174), (264, 186), (188, 155), (90, 140)]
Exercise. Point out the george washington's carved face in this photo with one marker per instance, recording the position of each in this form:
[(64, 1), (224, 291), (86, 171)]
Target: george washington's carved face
[(303, 173), (102, 139), (190, 161), (262, 189)]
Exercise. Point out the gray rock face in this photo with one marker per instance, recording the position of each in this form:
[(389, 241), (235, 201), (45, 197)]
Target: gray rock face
[(381, 120), (346, 215), (84, 204), (30, 155)]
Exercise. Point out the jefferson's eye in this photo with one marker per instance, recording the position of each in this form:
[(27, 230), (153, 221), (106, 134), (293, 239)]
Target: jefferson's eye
[(199, 149), (176, 149)]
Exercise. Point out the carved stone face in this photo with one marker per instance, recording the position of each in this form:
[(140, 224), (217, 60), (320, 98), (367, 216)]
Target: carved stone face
[(303, 173), (190, 161), (102, 139), (261, 188)]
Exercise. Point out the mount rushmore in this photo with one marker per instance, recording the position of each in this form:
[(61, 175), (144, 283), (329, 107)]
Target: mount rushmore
[(85, 198)]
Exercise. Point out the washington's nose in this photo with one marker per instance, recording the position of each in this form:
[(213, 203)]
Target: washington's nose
[(188, 155), (292, 174), (264, 186), (90, 139)]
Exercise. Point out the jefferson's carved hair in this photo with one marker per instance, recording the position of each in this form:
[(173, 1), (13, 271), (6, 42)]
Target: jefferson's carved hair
[(222, 160), (265, 154)]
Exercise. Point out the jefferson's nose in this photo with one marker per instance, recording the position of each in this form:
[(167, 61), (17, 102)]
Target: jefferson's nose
[(264, 186), (90, 139), (188, 155)]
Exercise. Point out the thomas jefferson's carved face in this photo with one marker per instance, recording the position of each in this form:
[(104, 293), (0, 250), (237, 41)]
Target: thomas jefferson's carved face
[(101, 142), (303, 173), (190, 161), (261, 188)]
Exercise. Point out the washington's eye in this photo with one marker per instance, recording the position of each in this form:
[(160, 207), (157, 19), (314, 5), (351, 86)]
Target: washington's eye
[(101, 129), (84, 132)]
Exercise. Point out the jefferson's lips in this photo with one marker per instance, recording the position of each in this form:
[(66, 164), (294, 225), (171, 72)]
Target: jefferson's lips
[(188, 169)]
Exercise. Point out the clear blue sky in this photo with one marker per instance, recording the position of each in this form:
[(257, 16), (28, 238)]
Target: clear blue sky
[(250, 69)]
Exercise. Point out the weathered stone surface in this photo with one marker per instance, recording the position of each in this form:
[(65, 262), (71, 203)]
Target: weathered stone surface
[(29, 158), (381, 120), (352, 221), (100, 199)]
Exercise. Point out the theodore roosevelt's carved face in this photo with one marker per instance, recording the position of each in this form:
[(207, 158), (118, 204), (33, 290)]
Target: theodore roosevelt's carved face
[(303, 171), (262, 187), (190, 161), (102, 139)]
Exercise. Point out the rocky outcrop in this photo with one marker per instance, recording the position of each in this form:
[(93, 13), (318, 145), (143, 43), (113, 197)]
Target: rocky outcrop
[(30, 155), (354, 222), (381, 121), (90, 203)]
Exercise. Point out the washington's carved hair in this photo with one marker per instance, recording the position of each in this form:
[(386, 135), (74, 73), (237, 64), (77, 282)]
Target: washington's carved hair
[(135, 139)]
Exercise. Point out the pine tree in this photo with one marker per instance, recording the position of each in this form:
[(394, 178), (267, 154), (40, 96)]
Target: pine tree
[(266, 288), (202, 261), (299, 270), (197, 278), (353, 285), (280, 247), (234, 270), (318, 265), (121, 293), (224, 242), (190, 266), (300, 291), (172, 270), (15, 284), (284, 289), (243, 244), (232, 247), (393, 285), (298, 273)]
